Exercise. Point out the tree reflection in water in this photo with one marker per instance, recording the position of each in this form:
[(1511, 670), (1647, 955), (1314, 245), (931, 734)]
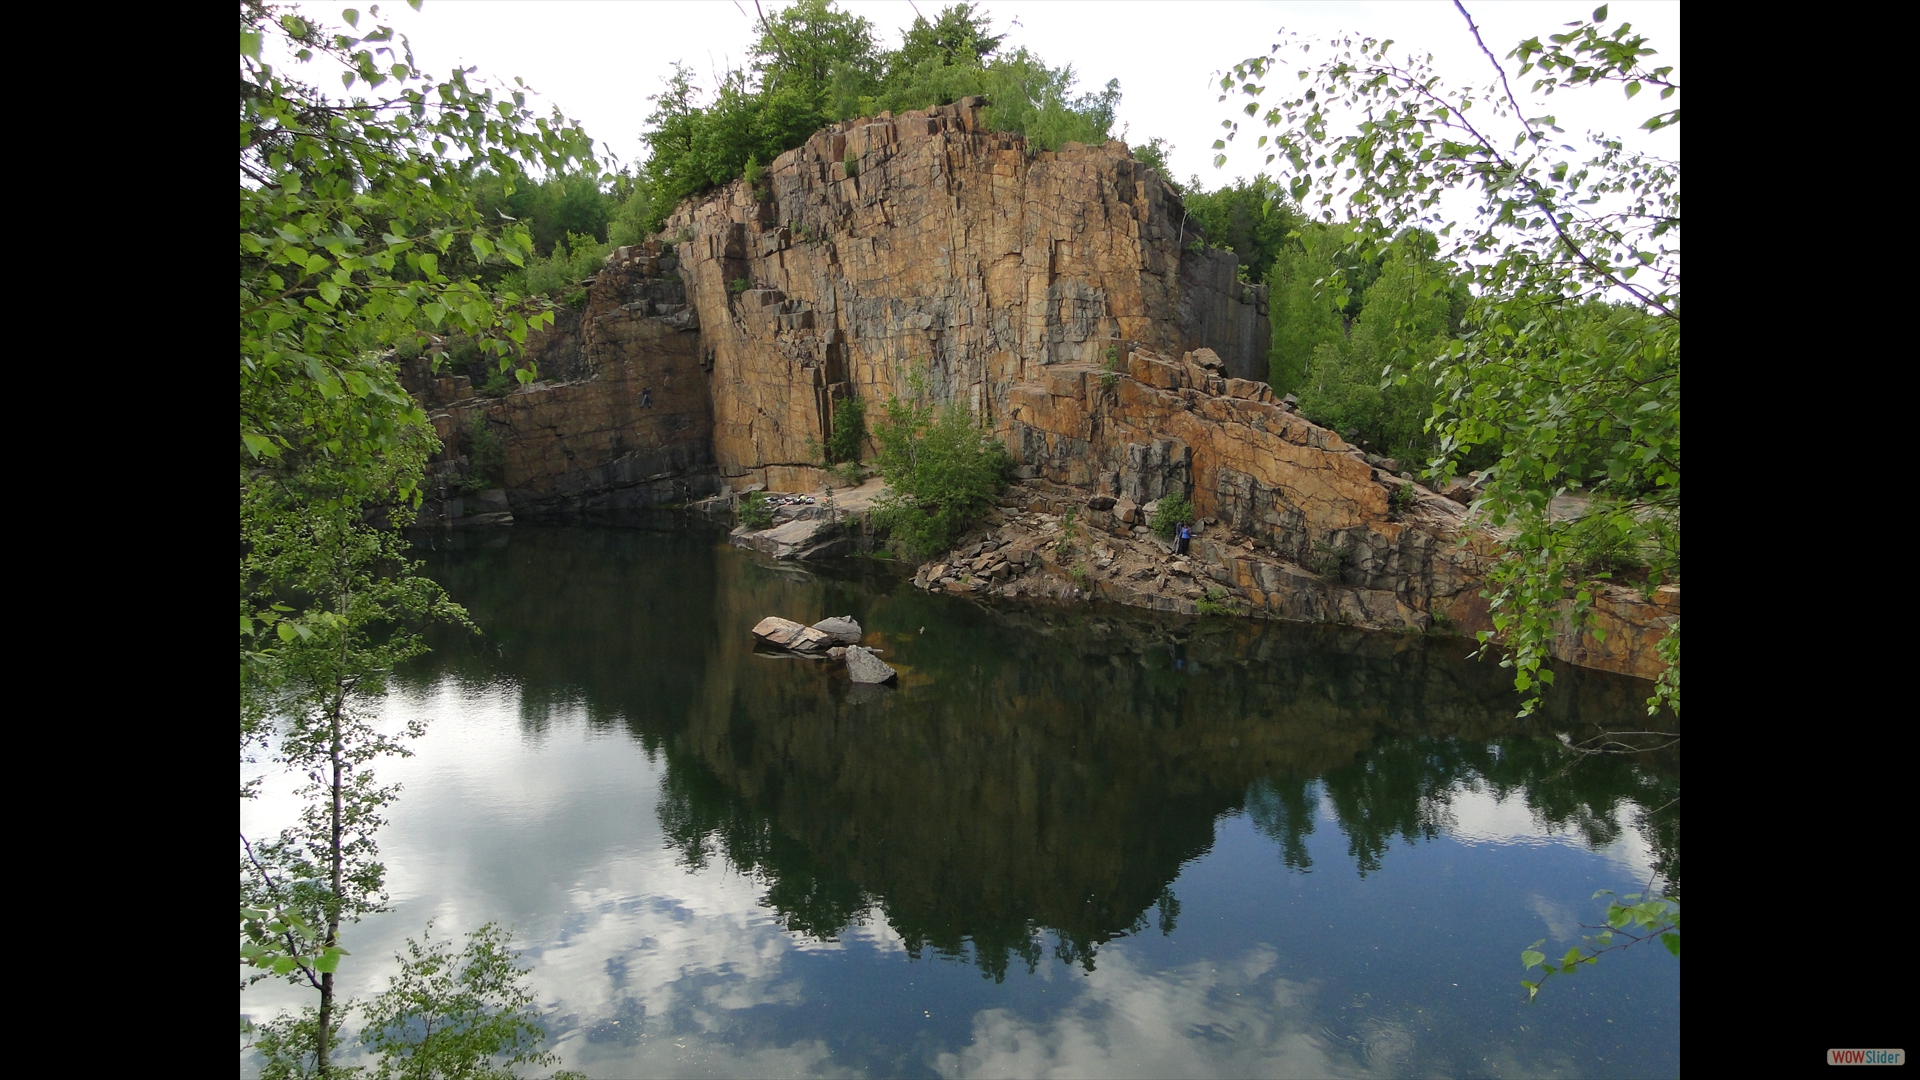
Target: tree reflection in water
[(1039, 772)]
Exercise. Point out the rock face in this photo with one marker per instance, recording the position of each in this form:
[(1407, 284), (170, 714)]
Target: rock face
[(953, 254), (1317, 513), (620, 419), (1050, 292), (864, 667)]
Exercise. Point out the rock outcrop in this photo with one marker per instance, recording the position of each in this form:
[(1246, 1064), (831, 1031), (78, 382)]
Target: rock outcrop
[(621, 418), (950, 254), (1053, 293)]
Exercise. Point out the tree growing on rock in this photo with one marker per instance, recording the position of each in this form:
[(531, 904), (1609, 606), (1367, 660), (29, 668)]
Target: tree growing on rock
[(942, 473)]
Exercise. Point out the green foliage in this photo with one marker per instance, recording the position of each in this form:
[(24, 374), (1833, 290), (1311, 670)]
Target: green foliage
[(1399, 501), (754, 511), (851, 473), (445, 1015), (1629, 923), (574, 259), (1252, 218), (634, 218), (941, 473), (1154, 156), (849, 430), (1376, 381), (354, 221), (556, 209), (1216, 602), (1069, 533), (287, 1046), (1569, 356), (1025, 95), (739, 285), (360, 228), (851, 165), (486, 456), (1167, 517), (813, 65), (1079, 575), (1110, 371)]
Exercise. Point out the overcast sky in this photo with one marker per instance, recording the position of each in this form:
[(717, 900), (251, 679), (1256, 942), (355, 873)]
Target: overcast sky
[(599, 61)]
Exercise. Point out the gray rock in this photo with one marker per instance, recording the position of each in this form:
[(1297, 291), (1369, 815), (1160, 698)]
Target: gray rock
[(796, 540), (864, 667), (842, 628)]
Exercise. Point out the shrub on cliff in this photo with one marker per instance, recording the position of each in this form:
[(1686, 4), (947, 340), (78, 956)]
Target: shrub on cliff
[(814, 65), (1170, 514), (849, 431), (941, 471), (574, 259)]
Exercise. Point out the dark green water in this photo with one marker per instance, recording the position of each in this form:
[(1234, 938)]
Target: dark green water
[(1072, 842)]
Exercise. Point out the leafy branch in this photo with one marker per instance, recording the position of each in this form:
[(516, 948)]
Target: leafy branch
[(1628, 924)]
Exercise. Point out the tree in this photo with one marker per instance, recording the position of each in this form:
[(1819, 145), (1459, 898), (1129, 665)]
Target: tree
[(359, 230), (448, 1016), (1569, 356), (1250, 218), (1374, 380), (1569, 360), (813, 65), (941, 472)]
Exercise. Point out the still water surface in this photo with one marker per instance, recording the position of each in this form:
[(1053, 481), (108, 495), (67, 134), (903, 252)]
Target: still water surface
[(1071, 842)]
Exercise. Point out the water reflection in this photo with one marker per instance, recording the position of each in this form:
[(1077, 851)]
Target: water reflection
[(1039, 779)]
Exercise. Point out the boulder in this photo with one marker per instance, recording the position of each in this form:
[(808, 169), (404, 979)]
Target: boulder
[(787, 634), (841, 628), (864, 667)]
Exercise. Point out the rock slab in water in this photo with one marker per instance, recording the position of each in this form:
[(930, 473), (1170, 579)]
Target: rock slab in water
[(800, 540), (842, 628), (787, 634), (865, 667)]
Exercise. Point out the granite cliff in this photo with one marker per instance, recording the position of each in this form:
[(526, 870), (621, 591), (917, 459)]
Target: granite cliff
[(1058, 295)]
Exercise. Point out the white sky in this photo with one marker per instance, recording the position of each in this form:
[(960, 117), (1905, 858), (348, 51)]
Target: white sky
[(599, 61)]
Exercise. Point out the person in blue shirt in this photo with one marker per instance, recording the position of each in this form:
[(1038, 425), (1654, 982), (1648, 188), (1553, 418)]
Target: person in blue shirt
[(1180, 545)]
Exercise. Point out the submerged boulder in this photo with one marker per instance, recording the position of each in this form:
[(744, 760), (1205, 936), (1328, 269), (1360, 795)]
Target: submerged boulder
[(865, 667)]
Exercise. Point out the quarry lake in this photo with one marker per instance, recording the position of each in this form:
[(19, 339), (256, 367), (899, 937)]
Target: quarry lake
[(1071, 841)]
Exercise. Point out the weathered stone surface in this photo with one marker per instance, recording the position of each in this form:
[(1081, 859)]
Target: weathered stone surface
[(864, 667), (842, 628), (807, 538), (953, 251), (620, 418), (787, 634)]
